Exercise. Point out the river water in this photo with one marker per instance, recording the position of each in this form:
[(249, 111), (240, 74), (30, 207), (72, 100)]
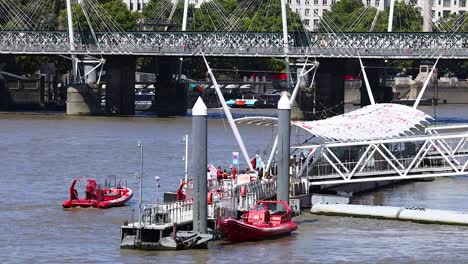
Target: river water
[(41, 154)]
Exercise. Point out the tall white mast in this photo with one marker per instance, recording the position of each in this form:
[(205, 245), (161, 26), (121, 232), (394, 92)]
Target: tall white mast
[(184, 18), (426, 83), (366, 81), (71, 39), (229, 116), (390, 15), (285, 39)]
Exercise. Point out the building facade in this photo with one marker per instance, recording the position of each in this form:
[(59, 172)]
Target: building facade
[(312, 10), (136, 5)]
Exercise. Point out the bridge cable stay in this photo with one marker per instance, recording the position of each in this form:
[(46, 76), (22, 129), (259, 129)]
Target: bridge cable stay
[(112, 32), (353, 16), (358, 21), (344, 48), (169, 19), (39, 13), (15, 19), (100, 62), (374, 22), (18, 20), (157, 16)]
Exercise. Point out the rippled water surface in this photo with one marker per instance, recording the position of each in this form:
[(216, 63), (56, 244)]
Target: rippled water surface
[(41, 154)]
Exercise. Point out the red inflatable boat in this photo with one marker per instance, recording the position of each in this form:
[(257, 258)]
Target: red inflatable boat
[(98, 197), (268, 219)]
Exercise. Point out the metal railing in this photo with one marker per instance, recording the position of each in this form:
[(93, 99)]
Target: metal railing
[(436, 154), (234, 200), (370, 45)]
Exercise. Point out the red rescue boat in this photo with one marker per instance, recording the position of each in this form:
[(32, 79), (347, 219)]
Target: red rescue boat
[(98, 197), (268, 219)]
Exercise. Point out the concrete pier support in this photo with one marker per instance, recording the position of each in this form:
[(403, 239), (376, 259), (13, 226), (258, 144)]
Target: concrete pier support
[(200, 163), (329, 95), (120, 85), (83, 99), (171, 93), (284, 134)]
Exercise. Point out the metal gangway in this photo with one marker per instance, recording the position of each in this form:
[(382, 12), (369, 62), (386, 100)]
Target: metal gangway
[(439, 151)]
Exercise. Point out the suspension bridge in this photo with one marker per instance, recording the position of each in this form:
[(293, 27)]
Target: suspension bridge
[(30, 30)]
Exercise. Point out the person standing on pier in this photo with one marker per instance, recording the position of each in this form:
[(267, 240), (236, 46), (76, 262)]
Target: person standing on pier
[(219, 176), (233, 172)]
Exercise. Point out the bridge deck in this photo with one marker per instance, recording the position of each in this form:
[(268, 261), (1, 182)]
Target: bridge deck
[(240, 44)]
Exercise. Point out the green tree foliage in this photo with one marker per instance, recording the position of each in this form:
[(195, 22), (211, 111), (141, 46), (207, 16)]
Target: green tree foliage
[(117, 11), (353, 16), (406, 18), (266, 16), (347, 16)]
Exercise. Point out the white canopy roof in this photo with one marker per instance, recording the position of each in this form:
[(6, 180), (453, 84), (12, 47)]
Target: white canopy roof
[(371, 122)]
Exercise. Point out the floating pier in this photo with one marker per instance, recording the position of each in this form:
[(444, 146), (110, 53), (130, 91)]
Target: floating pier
[(414, 214)]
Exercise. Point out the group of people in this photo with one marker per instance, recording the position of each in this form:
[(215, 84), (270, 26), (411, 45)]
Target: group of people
[(223, 175)]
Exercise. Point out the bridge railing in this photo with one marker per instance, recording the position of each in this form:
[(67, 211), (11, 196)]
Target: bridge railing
[(405, 45)]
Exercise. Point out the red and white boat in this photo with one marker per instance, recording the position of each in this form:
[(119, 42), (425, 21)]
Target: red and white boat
[(268, 219), (95, 196)]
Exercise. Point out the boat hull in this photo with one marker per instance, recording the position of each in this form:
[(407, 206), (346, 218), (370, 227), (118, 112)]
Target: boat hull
[(237, 231)]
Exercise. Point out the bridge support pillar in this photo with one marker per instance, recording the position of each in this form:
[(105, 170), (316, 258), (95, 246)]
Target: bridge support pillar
[(83, 99), (5, 97), (171, 93), (376, 74), (120, 85), (329, 95)]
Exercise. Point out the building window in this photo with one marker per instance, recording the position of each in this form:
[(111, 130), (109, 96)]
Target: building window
[(315, 2), (447, 3), (446, 13), (368, 2), (333, 2), (307, 2), (462, 3), (306, 22), (131, 6), (138, 6), (316, 13), (377, 3), (325, 2), (306, 12)]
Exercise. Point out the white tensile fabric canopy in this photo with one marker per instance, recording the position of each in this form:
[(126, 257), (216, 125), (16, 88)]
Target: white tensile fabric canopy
[(372, 122)]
